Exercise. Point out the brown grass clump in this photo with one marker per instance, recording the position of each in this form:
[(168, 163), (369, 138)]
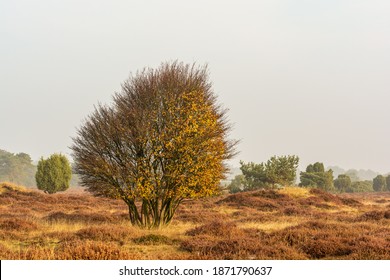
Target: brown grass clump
[(371, 248), (319, 240), (325, 196), (215, 228), (205, 248), (293, 211), (87, 250), (222, 239), (374, 216), (350, 202), (6, 253), (35, 252), (79, 217), (247, 214), (10, 187), (154, 239), (105, 233), (208, 242), (17, 224), (198, 216), (382, 200), (318, 249), (198, 211), (252, 200)]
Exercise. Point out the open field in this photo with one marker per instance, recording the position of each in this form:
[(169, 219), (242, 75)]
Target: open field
[(291, 223)]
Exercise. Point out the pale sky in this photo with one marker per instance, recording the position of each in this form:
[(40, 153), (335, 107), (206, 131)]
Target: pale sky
[(303, 77)]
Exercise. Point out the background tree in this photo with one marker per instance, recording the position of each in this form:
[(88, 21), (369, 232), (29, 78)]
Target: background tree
[(237, 184), (281, 170), (276, 171), (53, 174), (387, 183), (343, 183), (17, 168), (317, 167), (316, 176), (163, 140), (353, 175), (254, 174), (379, 183)]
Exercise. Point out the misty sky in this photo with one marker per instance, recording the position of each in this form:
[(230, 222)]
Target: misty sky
[(310, 78)]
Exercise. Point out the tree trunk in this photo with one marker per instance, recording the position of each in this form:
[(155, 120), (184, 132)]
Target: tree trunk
[(152, 213)]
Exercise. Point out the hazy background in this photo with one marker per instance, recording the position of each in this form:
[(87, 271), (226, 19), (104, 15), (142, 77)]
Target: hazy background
[(310, 78)]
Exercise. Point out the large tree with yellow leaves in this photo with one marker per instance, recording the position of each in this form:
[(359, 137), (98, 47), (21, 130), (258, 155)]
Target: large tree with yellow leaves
[(164, 139)]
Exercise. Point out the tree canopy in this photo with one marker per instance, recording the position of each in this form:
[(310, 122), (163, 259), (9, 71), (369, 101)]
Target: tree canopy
[(343, 183), (379, 183), (164, 139), (316, 176)]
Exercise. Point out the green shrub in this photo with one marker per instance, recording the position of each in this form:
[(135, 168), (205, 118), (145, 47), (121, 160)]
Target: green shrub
[(53, 174)]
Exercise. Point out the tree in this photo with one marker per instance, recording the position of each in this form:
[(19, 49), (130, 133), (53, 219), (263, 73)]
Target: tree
[(276, 171), (254, 174), (379, 183), (164, 139), (281, 170), (316, 176), (343, 183), (17, 168), (317, 167), (388, 183), (53, 174), (353, 175), (237, 184)]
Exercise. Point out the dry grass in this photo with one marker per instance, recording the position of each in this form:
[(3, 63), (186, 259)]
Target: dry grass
[(290, 223), (295, 192), (7, 186)]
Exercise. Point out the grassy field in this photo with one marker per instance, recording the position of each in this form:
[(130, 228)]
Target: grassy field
[(291, 223)]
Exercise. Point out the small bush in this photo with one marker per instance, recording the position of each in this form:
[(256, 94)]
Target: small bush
[(53, 174)]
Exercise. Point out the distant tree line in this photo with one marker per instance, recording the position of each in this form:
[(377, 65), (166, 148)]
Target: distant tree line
[(17, 168), (281, 171)]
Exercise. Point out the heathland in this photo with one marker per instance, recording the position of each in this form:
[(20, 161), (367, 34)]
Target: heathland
[(287, 223)]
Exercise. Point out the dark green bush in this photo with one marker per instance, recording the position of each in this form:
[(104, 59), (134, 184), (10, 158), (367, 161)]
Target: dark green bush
[(53, 174)]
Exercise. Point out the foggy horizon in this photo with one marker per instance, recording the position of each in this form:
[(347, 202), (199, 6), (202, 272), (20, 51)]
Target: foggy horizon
[(298, 77)]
